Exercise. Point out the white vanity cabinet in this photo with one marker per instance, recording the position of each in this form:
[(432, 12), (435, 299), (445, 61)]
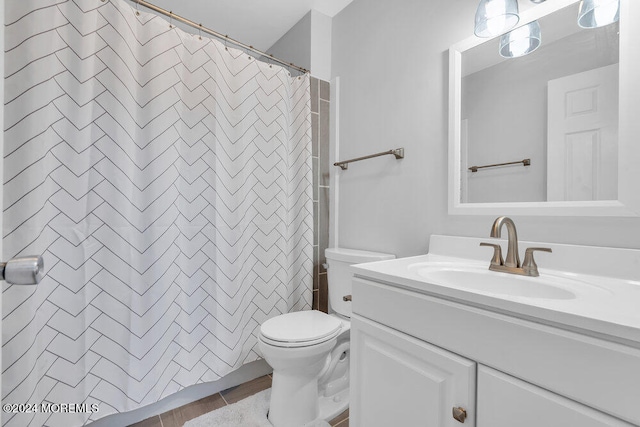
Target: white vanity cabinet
[(505, 401), (416, 356), (401, 381)]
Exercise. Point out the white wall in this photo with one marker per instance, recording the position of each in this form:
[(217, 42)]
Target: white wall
[(308, 45), (320, 45), (295, 45), (392, 61)]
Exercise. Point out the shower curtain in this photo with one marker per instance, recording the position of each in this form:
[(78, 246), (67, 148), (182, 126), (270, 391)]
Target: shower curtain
[(166, 180)]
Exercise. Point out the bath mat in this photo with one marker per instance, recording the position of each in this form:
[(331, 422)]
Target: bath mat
[(249, 412)]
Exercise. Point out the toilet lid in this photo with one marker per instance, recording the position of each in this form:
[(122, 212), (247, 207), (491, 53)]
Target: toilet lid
[(301, 326)]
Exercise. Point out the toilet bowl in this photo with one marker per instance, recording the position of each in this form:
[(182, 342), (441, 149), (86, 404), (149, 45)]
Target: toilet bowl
[(309, 350)]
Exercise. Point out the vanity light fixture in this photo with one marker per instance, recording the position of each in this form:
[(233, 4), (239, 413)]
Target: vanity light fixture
[(494, 17), (598, 13), (521, 41)]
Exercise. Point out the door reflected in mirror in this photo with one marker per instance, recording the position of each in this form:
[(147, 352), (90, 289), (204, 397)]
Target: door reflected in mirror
[(557, 106)]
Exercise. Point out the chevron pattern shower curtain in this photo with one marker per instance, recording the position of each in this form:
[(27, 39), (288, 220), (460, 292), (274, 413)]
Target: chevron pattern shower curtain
[(167, 182)]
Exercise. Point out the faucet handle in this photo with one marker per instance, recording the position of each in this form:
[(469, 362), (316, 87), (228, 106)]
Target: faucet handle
[(497, 253), (529, 264)]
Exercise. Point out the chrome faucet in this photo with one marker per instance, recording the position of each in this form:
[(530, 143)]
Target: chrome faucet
[(512, 262)]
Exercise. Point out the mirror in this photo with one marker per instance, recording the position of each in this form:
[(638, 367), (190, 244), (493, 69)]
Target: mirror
[(542, 107), (546, 133)]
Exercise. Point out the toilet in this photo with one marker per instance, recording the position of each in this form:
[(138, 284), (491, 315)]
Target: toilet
[(309, 350)]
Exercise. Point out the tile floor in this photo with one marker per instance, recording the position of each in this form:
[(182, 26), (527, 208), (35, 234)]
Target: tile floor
[(177, 417)]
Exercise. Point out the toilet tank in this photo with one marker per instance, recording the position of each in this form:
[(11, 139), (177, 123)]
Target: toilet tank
[(339, 276)]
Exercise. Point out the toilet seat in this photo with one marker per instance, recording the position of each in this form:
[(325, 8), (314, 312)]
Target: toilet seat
[(296, 344), (300, 329)]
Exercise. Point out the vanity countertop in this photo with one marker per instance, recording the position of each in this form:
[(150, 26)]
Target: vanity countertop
[(604, 284)]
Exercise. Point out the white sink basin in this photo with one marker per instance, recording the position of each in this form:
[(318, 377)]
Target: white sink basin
[(580, 287), (480, 279)]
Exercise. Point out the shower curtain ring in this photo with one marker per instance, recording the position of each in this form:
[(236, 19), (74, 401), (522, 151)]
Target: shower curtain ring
[(170, 19), (226, 39), (137, 4), (270, 63), (200, 31)]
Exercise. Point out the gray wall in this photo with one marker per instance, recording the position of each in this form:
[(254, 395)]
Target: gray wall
[(295, 45), (392, 60)]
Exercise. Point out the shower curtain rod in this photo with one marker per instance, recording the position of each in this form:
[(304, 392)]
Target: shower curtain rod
[(226, 37)]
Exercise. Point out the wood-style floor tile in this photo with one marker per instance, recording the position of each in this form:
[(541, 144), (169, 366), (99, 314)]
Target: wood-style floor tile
[(343, 423), (149, 422), (238, 393), (341, 420), (177, 417)]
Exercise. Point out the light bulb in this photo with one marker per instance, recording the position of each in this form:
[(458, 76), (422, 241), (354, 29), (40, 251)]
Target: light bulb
[(494, 17), (521, 41), (598, 13)]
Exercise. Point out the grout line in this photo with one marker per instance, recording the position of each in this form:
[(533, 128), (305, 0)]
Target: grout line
[(317, 113), (322, 272), (225, 400), (323, 186), (337, 425), (161, 423)]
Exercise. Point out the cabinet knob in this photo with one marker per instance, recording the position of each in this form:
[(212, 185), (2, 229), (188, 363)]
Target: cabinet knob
[(459, 414)]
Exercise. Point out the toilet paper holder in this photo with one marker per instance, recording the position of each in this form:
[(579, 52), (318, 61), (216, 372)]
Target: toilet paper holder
[(24, 270)]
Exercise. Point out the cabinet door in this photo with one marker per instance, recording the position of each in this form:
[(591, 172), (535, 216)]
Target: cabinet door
[(398, 380), (504, 401)]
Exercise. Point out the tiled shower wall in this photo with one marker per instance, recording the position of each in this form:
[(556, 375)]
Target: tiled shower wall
[(320, 133)]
